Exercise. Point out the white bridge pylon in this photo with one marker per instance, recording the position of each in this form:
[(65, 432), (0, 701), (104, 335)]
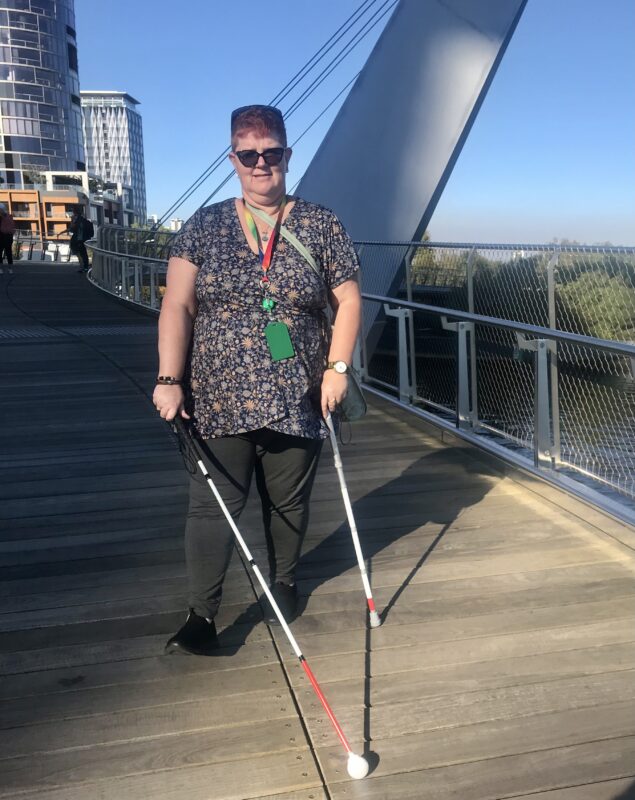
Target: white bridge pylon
[(390, 150)]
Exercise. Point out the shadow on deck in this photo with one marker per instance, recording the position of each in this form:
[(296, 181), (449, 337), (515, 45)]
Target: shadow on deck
[(504, 667)]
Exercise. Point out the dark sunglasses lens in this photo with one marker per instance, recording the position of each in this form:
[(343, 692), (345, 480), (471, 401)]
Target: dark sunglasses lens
[(273, 156), (248, 158)]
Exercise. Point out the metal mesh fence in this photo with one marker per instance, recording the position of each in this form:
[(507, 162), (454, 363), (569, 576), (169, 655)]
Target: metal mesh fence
[(585, 290)]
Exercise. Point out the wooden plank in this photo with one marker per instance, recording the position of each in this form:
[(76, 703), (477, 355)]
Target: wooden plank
[(505, 777), (455, 679), (145, 721), (229, 780), (304, 794), (473, 707), (343, 666), (489, 740), (182, 749), (124, 693), (623, 789), (78, 656)]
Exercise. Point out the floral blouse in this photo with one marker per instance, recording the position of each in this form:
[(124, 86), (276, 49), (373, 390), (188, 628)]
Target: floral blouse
[(235, 386)]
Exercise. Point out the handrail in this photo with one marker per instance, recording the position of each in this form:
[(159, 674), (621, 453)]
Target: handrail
[(538, 248), (129, 256), (609, 345)]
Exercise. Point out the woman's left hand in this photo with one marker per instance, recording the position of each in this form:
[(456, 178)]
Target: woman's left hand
[(334, 388)]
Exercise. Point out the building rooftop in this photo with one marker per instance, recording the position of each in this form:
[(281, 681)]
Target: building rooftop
[(109, 93)]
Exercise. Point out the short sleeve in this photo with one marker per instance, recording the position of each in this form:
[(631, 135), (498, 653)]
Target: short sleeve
[(340, 259), (189, 242)]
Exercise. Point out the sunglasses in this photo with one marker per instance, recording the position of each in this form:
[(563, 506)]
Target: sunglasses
[(238, 111), (271, 156)]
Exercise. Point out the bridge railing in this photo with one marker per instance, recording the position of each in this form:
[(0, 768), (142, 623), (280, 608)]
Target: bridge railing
[(526, 347)]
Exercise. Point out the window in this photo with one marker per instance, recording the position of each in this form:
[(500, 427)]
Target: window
[(23, 74), (75, 99), (25, 21), (52, 147), (25, 55), (24, 38), (46, 78), (18, 5), (26, 144), (49, 130), (71, 31), (72, 56), (23, 127), (28, 92), (43, 7)]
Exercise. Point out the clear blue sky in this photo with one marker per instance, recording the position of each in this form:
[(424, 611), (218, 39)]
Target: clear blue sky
[(551, 154)]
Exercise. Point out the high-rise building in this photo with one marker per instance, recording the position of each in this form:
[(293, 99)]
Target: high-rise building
[(40, 107), (114, 143)]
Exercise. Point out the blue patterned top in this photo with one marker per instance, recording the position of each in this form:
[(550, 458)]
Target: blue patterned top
[(234, 385)]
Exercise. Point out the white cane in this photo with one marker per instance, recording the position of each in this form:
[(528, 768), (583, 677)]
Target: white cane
[(374, 619)]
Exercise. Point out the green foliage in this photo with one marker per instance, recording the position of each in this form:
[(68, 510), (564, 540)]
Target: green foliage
[(599, 304), (595, 292)]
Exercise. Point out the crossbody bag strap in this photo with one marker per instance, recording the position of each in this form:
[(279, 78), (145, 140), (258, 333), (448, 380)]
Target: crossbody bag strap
[(293, 240)]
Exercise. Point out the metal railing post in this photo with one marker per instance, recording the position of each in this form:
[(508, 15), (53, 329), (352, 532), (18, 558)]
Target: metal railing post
[(470, 308), (405, 383), (542, 428), (137, 287), (153, 286), (124, 269), (543, 442), (411, 332), (555, 390), (364, 360), (464, 412)]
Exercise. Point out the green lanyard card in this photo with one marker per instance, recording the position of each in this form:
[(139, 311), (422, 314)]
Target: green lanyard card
[(279, 341)]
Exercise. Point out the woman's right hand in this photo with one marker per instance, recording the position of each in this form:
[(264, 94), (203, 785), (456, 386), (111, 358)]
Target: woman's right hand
[(169, 400)]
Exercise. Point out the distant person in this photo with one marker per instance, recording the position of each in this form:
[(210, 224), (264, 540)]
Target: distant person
[(81, 230), (7, 229), (247, 351)]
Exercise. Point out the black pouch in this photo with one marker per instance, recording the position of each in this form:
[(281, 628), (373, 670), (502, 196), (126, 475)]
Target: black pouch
[(353, 406)]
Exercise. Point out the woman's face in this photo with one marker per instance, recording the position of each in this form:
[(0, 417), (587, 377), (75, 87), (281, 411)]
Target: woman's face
[(263, 180)]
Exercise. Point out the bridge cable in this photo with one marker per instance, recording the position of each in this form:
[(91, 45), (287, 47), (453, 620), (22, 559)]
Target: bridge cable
[(307, 93), (289, 86)]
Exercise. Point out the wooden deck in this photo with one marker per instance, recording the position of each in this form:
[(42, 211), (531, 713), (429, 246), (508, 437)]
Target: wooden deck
[(504, 667)]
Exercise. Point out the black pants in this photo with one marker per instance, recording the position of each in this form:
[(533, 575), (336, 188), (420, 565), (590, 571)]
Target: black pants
[(6, 246), (79, 249), (285, 470)]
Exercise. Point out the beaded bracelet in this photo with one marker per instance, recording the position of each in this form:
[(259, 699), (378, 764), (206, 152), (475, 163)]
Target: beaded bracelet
[(168, 380)]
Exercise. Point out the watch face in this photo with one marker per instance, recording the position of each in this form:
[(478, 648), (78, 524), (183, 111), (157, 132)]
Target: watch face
[(340, 366)]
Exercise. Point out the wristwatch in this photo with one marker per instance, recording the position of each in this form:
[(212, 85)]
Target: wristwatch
[(338, 366)]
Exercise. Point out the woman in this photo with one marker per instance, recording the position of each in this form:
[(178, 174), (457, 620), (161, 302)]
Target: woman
[(263, 369)]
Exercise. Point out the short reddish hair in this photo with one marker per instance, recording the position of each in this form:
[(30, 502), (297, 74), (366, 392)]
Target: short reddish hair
[(262, 120)]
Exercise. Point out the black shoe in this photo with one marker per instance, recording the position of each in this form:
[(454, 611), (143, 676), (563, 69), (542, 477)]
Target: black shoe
[(197, 637), (287, 599)]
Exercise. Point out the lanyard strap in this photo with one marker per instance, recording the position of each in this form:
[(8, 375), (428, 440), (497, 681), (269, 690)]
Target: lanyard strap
[(265, 257)]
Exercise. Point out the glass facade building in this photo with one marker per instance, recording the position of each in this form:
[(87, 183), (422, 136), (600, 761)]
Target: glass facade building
[(113, 135), (40, 106)]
